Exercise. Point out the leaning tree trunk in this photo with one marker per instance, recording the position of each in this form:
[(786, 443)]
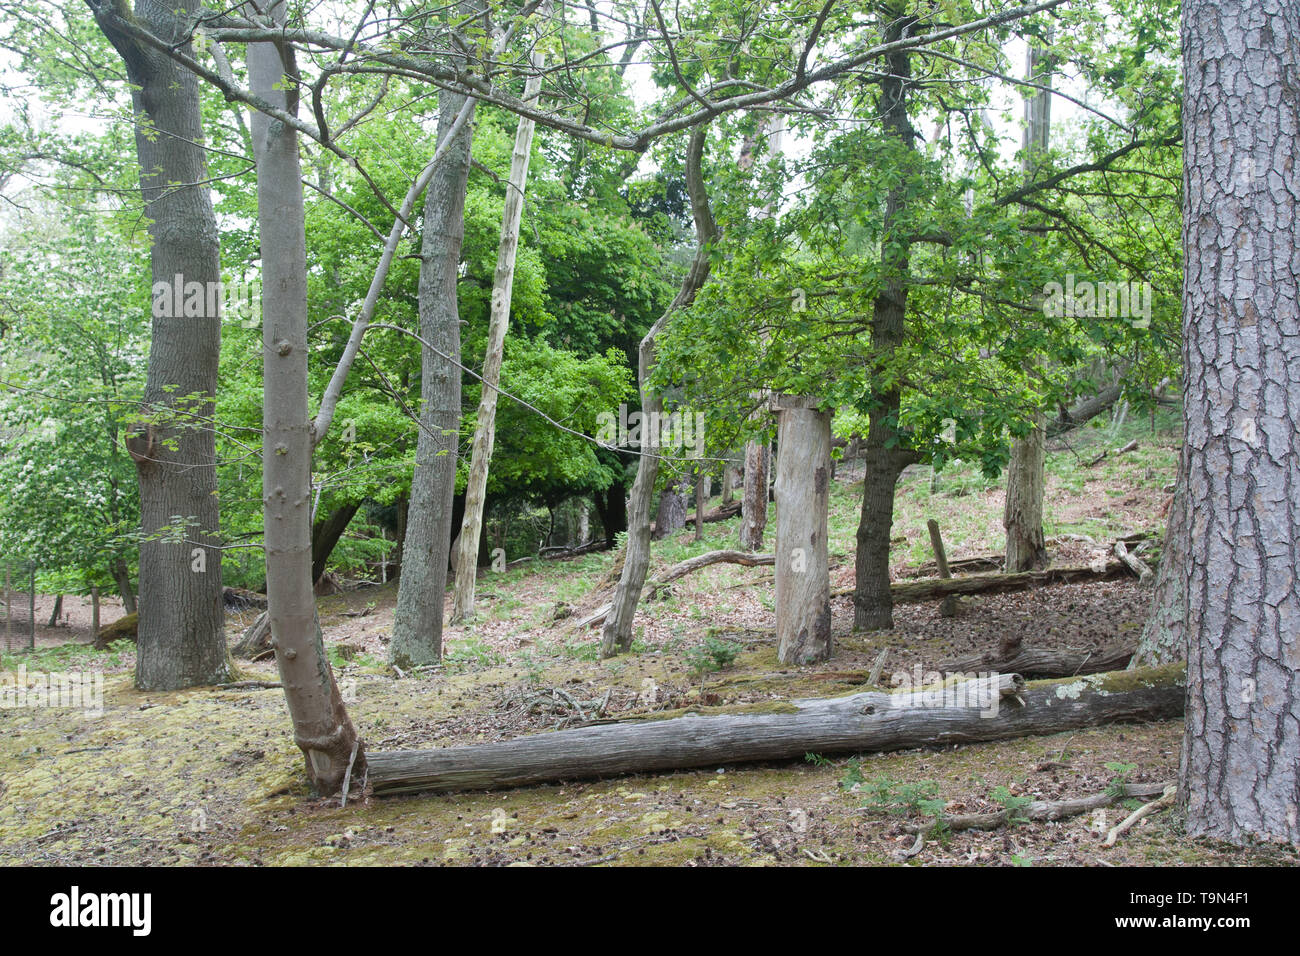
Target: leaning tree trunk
[(617, 634), (462, 608), (181, 641), (122, 578), (1023, 515), (885, 454), (321, 727), (422, 588), (325, 535), (803, 582), (1240, 774), (1164, 636)]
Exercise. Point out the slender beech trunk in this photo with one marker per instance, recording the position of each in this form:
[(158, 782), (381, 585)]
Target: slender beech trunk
[(321, 726), (422, 588), (758, 457), (1240, 774), (1023, 514), (617, 633), (181, 641), (462, 607), (884, 458), (803, 582)]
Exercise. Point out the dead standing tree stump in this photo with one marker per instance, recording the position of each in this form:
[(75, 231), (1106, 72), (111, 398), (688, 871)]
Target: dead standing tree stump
[(803, 584)]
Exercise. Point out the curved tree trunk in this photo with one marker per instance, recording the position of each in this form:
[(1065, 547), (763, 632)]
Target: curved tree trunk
[(181, 641), (325, 535), (617, 634), (422, 588), (462, 608), (321, 727), (1240, 774)]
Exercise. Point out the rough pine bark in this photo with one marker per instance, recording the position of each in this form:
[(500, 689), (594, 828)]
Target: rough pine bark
[(181, 640), (422, 588), (1240, 773), (321, 727)]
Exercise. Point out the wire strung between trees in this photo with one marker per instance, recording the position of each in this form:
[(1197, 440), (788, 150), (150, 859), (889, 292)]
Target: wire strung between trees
[(535, 410)]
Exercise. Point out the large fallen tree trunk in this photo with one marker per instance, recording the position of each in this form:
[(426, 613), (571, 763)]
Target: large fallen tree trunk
[(996, 708), (123, 629), (912, 591), (721, 513), (1043, 661)]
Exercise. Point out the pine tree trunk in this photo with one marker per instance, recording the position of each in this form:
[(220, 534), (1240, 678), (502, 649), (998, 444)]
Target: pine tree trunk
[(422, 588), (803, 582), (321, 727), (462, 608), (1240, 774), (181, 641)]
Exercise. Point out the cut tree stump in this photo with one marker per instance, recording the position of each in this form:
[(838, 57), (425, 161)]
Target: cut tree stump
[(787, 730)]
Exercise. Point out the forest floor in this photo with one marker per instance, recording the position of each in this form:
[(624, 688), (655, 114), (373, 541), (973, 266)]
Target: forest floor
[(211, 776)]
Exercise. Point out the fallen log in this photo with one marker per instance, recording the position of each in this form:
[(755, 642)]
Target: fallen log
[(912, 591), (718, 514), (123, 629), (1040, 810), (1134, 563), (1036, 662), (996, 708), (681, 569)]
